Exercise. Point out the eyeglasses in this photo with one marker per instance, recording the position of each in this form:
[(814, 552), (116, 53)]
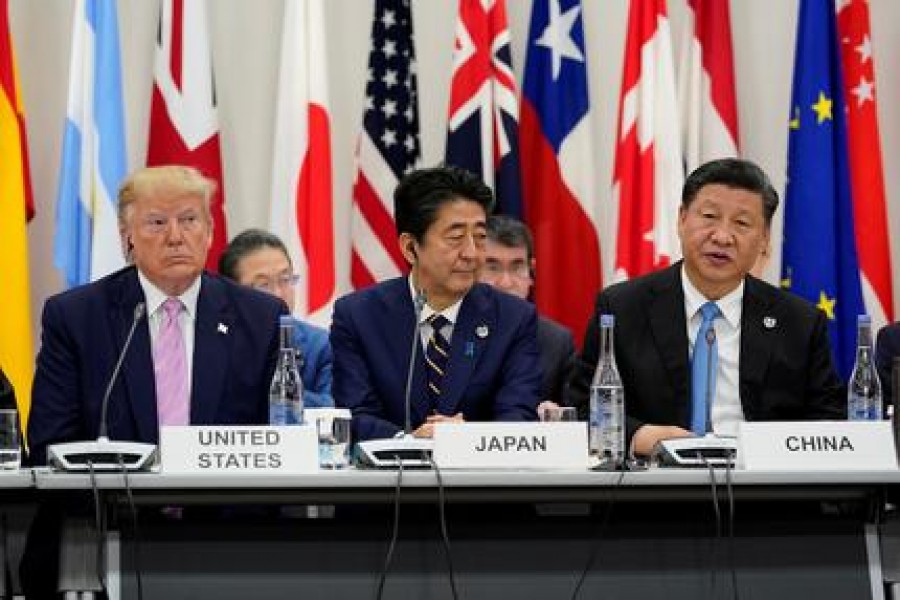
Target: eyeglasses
[(157, 224), (495, 270), (281, 282)]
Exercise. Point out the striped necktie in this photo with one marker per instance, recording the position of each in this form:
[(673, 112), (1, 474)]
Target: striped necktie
[(437, 355), (170, 368)]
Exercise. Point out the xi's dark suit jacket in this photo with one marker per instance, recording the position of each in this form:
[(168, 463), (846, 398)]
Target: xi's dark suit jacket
[(493, 372), (235, 349), (786, 368), (7, 395), (886, 348)]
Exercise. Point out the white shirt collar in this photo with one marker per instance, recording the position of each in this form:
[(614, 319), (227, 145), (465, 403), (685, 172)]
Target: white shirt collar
[(155, 297), (730, 304), (450, 313)]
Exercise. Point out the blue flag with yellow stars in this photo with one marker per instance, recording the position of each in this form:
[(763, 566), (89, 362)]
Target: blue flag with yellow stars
[(819, 255)]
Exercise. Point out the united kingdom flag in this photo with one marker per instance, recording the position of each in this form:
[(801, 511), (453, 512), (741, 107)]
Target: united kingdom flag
[(484, 116)]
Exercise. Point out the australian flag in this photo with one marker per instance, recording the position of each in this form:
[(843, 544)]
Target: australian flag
[(484, 116), (820, 261)]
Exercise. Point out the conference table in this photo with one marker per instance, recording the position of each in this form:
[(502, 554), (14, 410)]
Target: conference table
[(659, 533)]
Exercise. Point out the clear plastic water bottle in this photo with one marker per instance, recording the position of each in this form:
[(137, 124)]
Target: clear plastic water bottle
[(864, 400), (286, 391), (607, 418)]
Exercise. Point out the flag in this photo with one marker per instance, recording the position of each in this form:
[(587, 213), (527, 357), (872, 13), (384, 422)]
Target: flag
[(184, 120), (301, 209), (648, 173), (707, 102), (866, 175), (16, 356), (388, 145), (484, 113), (87, 244), (557, 164), (820, 260)]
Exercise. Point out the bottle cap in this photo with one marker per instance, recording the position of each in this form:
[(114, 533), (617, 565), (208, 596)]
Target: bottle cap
[(607, 320), (863, 320), (286, 321)]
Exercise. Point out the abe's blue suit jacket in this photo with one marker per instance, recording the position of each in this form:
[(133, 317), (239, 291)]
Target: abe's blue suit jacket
[(493, 372), (84, 329)]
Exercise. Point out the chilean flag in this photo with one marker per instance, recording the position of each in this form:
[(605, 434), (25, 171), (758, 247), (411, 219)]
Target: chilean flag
[(557, 163), (184, 121), (484, 112), (301, 209)]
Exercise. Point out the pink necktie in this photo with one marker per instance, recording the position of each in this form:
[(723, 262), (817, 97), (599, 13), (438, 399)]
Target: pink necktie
[(170, 368)]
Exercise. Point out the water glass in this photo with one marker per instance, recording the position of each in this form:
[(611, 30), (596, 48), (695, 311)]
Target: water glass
[(333, 426), (558, 413), (10, 443)]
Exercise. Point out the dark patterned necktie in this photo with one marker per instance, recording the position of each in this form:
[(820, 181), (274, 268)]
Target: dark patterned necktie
[(437, 354)]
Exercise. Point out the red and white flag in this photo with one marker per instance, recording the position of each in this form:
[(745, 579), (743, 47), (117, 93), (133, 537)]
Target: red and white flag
[(388, 145), (649, 171), (706, 90), (301, 209), (864, 149), (184, 121)]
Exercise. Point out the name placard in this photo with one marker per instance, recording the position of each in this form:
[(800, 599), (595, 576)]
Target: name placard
[(496, 445), (816, 446), (235, 450)]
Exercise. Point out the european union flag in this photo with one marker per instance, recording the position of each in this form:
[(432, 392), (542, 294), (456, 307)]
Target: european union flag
[(820, 258)]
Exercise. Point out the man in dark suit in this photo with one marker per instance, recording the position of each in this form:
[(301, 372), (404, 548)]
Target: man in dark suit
[(773, 355), (509, 266), (226, 336), (887, 347), (203, 352), (478, 358)]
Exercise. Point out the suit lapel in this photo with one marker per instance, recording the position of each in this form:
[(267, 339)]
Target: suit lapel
[(471, 334), (137, 366), (212, 349), (757, 326), (669, 328)]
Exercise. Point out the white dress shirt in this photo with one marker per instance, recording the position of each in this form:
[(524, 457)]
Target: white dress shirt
[(188, 317), (726, 411), (451, 313)]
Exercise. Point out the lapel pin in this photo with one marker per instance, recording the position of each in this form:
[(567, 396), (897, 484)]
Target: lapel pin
[(482, 331), (769, 322), (470, 349), (222, 328)]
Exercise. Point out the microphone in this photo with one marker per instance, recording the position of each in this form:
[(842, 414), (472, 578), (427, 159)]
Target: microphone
[(104, 454), (405, 450)]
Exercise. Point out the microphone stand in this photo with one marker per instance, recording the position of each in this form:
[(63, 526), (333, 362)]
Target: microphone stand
[(404, 450), (104, 454)]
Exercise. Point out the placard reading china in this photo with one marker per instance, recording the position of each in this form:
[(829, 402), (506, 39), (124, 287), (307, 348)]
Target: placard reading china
[(235, 450)]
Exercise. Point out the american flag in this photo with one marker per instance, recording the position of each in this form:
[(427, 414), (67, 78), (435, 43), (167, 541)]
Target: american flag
[(388, 145), (484, 113)]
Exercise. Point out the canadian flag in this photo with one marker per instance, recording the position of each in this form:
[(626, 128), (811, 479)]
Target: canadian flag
[(184, 121), (706, 97), (648, 172), (301, 208)]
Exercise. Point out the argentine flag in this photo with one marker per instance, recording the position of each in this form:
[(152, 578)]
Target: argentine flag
[(87, 244)]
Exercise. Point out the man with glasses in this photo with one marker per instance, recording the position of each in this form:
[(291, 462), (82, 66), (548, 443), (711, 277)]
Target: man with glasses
[(509, 266), (204, 348), (259, 259)]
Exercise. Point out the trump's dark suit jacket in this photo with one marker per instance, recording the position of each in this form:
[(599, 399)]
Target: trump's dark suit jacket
[(786, 368), (235, 348), (493, 371), (887, 347)]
